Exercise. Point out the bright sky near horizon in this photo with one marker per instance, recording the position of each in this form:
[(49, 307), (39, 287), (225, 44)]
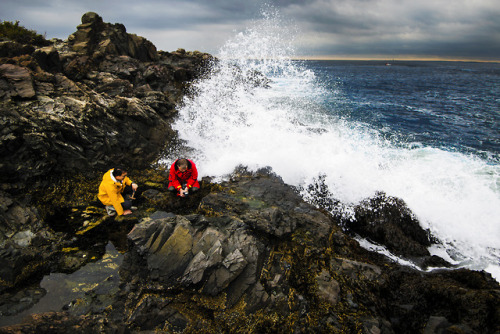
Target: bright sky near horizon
[(361, 29)]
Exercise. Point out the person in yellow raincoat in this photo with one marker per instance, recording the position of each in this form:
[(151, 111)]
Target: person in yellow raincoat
[(114, 184)]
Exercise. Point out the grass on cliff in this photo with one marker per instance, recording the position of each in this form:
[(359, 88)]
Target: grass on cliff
[(17, 33)]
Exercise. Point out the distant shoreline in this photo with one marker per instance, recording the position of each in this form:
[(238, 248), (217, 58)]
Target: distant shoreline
[(389, 60)]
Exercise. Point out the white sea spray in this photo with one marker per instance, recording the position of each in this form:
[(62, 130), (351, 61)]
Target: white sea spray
[(230, 120)]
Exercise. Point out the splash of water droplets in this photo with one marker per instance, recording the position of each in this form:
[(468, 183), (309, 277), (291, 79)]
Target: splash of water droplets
[(257, 107)]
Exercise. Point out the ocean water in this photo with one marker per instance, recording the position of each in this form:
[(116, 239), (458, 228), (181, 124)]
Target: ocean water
[(426, 132)]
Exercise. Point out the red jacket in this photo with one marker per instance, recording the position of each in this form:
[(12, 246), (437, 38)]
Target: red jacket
[(176, 178)]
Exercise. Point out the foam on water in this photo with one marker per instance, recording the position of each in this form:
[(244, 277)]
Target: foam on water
[(229, 120)]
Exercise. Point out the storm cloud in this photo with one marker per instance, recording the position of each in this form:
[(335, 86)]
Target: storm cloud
[(460, 29)]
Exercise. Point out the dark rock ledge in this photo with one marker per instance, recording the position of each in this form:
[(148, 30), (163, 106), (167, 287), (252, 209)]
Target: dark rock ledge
[(246, 255)]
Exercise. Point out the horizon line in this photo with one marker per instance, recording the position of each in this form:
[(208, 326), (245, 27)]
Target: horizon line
[(400, 58)]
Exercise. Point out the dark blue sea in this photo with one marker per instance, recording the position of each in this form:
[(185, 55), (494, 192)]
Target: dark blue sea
[(449, 105)]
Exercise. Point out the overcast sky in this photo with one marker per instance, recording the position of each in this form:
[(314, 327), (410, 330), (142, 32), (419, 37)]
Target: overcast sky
[(459, 29)]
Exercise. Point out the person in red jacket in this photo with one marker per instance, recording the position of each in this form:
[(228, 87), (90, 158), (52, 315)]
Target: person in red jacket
[(183, 177)]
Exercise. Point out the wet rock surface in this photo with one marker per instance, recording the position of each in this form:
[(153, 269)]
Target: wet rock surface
[(387, 221), (213, 270), (244, 255)]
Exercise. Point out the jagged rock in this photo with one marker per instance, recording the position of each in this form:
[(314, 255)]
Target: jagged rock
[(23, 238), (436, 325), (388, 221), (15, 82), (261, 202), (179, 253), (373, 325), (356, 270), (328, 288), (48, 59), (232, 267), (460, 294), (269, 220), (169, 253), (96, 38), (202, 262)]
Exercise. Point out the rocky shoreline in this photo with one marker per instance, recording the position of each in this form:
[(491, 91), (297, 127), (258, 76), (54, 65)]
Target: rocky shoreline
[(244, 255)]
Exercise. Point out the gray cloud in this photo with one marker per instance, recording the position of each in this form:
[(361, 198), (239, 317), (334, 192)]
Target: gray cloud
[(459, 28)]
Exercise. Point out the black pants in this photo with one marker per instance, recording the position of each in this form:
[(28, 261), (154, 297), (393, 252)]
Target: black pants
[(172, 189), (127, 203)]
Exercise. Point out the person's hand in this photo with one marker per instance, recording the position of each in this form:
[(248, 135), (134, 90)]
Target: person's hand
[(127, 212), (183, 192), (134, 186)]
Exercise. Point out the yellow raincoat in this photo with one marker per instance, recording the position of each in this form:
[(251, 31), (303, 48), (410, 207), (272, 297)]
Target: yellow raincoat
[(110, 191)]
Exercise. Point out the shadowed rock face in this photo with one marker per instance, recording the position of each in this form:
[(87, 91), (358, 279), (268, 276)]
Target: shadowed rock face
[(102, 97), (387, 220)]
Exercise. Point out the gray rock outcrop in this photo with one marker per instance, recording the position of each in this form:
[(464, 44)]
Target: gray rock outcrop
[(97, 38), (103, 97)]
